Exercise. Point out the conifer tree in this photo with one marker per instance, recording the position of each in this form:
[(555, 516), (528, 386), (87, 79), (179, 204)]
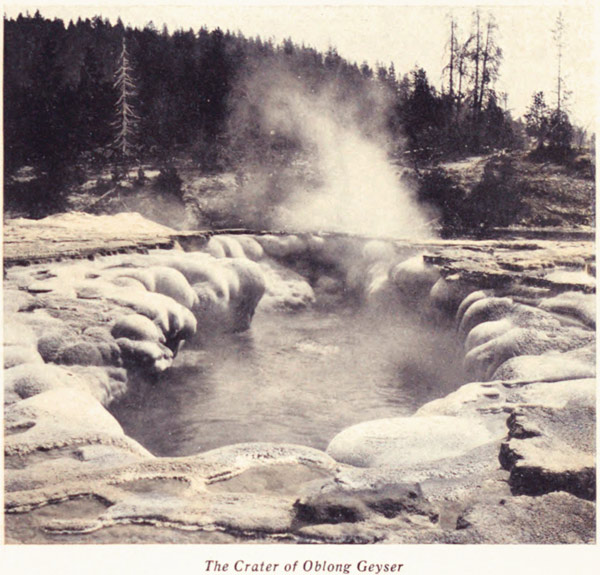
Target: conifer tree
[(126, 119), (538, 119)]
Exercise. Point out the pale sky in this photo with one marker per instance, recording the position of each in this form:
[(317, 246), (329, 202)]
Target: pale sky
[(406, 35)]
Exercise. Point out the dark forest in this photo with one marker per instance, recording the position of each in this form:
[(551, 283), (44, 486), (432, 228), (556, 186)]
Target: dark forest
[(92, 95), (60, 99)]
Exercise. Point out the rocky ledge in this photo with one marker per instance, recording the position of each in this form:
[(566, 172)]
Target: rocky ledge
[(509, 457)]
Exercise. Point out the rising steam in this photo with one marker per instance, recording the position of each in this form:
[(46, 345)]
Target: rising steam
[(350, 185)]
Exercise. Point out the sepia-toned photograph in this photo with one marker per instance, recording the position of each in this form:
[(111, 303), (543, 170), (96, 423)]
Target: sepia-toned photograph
[(303, 274)]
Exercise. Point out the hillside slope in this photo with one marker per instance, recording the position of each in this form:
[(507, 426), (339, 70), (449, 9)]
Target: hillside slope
[(511, 190)]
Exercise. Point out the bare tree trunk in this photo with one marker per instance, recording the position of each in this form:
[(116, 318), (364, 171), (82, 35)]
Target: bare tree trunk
[(452, 55), (461, 73), (558, 33), (477, 57), (558, 88), (486, 55)]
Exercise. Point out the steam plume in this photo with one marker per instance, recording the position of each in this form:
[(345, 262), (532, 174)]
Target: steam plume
[(350, 185)]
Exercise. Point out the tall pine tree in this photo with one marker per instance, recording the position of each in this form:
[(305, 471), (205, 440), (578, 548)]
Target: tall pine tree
[(126, 119)]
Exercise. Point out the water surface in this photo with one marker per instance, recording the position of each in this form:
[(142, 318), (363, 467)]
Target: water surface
[(294, 378)]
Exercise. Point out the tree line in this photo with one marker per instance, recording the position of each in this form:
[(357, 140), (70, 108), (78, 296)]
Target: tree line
[(61, 92), (93, 93)]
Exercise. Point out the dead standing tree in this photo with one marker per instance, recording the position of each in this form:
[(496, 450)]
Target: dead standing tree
[(491, 57), (450, 69), (126, 121), (558, 33), (484, 56), (125, 125)]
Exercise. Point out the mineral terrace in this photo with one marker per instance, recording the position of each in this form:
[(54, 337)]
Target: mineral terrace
[(92, 301)]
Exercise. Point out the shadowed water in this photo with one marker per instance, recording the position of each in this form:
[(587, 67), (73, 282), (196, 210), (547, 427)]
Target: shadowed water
[(293, 378)]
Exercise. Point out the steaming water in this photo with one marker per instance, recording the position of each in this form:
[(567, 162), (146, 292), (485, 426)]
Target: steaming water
[(353, 187), (294, 378)]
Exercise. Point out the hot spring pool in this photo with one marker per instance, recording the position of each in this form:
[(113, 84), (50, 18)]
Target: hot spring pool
[(292, 378)]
